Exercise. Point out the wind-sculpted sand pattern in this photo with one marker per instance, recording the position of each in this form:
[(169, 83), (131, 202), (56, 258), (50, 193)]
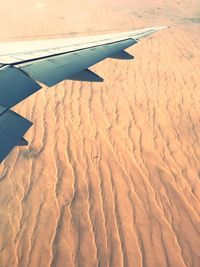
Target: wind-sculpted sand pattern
[(111, 176)]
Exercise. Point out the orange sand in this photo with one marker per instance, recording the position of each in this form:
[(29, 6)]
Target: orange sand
[(112, 173)]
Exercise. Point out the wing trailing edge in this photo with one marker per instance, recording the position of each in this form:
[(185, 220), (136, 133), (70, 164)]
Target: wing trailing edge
[(15, 86), (53, 70), (13, 127)]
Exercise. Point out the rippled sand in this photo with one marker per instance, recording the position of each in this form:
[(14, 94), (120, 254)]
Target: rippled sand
[(111, 176)]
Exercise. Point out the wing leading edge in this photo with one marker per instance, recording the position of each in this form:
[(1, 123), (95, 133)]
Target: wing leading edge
[(51, 62)]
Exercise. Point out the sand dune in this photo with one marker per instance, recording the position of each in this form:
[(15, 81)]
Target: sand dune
[(111, 174)]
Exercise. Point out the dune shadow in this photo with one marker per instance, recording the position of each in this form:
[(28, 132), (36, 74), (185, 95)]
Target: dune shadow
[(30, 153), (195, 20), (3, 175)]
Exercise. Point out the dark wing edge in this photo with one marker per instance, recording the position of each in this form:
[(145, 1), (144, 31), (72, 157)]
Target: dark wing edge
[(12, 129), (19, 80)]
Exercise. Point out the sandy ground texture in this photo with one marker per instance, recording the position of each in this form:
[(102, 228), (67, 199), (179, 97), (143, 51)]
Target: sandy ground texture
[(111, 176)]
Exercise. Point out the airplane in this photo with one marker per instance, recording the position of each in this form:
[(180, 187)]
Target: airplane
[(26, 65)]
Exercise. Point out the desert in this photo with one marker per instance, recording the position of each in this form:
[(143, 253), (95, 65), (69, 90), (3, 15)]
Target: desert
[(111, 176)]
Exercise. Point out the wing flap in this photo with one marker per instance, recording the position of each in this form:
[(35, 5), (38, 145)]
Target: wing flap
[(15, 86), (12, 129), (53, 70)]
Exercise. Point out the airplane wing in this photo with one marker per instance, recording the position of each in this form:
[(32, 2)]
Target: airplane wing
[(23, 65)]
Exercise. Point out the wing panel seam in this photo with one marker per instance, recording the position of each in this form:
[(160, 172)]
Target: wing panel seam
[(68, 52)]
